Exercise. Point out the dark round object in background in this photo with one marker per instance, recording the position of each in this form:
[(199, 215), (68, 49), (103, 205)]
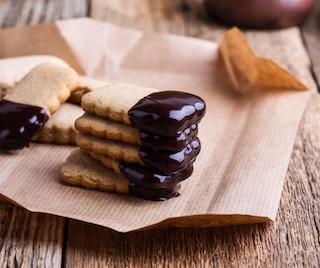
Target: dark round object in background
[(259, 13)]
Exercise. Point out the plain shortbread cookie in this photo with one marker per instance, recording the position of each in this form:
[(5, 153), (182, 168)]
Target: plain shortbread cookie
[(112, 149), (81, 170), (114, 101), (107, 129), (13, 69), (47, 86), (60, 127)]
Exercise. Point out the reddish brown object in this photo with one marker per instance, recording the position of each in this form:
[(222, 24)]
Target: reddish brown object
[(259, 13)]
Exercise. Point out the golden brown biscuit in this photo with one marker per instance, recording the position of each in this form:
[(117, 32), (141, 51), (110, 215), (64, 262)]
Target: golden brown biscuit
[(107, 129), (247, 71), (83, 171), (12, 70), (106, 103), (106, 161), (47, 86), (112, 149), (60, 127)]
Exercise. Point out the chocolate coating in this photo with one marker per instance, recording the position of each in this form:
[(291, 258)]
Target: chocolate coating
[(158, 142), (18, 123), (167, 113), (169, 162), (150, 184), (167, 123)]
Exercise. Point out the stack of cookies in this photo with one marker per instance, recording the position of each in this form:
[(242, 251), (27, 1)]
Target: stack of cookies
[(145, 141)]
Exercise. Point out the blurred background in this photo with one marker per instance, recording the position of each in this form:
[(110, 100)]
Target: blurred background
[(170, 13), (206, 19)]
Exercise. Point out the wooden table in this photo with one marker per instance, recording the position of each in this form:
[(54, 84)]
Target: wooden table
[(31, 239)]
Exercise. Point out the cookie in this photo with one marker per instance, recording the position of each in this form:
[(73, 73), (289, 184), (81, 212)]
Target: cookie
[(60, 127), (106, 161), (82, 171), (47, 86), (14, 69), (114, 101), (86, 84), (165, 113), (246, 71), (107, 129), (112, 149), (164, 161)]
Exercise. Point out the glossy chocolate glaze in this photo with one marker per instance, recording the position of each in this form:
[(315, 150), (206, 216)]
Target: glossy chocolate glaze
[(150, 184), (18, 123), (167, 113), (149, 177), (158, 142), (169, 162), (167, 123)]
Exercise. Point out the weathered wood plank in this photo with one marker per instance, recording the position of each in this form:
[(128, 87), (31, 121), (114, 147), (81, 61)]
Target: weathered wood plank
[(23, 12), (31, 239), (311, 34), (291, 241), (177, 16)]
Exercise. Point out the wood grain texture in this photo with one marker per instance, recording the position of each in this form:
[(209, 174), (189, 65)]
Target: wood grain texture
[(23, 12), (31, 239), (293, 240), (311, 35)]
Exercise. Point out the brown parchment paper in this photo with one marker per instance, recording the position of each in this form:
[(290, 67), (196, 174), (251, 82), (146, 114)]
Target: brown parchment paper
[(41, 39), (246, 139)]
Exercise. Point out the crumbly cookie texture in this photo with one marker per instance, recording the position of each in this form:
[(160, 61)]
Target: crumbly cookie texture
[(14, 69), (112, 149), (106, 161), (107, 129), (60, 127), (82, 171), (47, 85), (114, 101)]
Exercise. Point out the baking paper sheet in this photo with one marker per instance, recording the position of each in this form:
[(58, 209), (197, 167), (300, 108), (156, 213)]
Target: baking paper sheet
[(246, 139)]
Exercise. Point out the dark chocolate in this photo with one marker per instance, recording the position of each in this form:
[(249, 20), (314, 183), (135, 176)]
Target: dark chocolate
[(167, 113), (167, 123), (169, 162), (148, 183), (18, 123), (158, 142)]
